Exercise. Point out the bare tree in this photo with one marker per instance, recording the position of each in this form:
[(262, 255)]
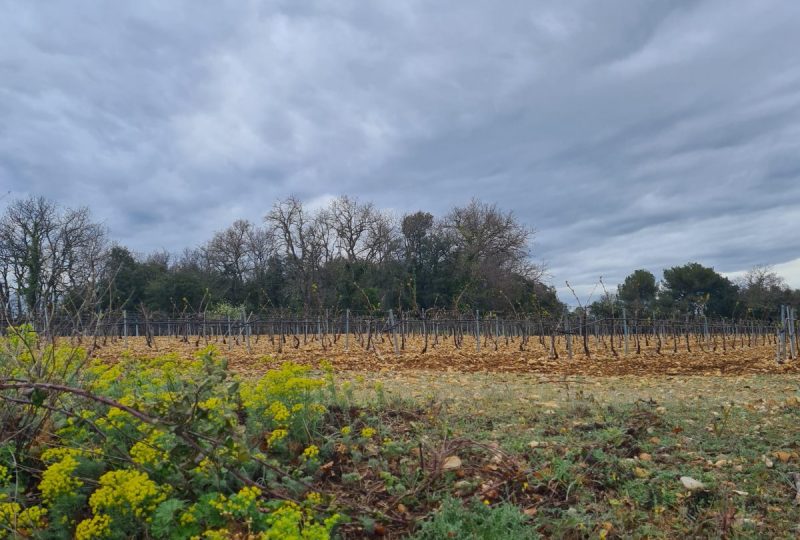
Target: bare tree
[(160, 258), (484, 234), (305, 241), (261, 248), (228, 253), (383, 241), (351, 221), (46, 253), (762, 289)]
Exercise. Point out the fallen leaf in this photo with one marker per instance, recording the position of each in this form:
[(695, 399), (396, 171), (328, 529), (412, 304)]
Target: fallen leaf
[(782, 456)]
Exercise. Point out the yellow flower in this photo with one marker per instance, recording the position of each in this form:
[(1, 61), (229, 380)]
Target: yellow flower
[(32, 518), (314, 498), (346, 430), (59, 479), (318, 408), (250, 492), (188, 517), (217, 534), (311, 452), (8, 511), (367, 432), (148, 452), (117, 417), (99, 526), (279, 411), (58, 453), (127, 492), (211, 404), (204, 467), (277, 435), (239, 506), (5, 476)]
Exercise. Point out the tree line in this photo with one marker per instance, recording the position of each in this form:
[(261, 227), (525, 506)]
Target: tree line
[(346, 255), (696, 290)]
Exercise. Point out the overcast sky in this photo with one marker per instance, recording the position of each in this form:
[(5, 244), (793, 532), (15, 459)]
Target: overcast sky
[(630, 134)]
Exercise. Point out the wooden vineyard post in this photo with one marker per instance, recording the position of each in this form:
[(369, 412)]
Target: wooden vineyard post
[(250, 331), (125, 326), (477, 332), (568, 334), (613, 335), (625, 329), (794, 331), (406, 333), (230, 337), (792, 344), (553, 351), (246, 331), (596, 332), (780, 343), (347, 330), (319, 331), (424, 333), (394, 333), (585, 333)]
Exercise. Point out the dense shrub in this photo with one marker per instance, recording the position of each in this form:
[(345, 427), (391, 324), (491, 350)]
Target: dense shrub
[(156, 448)]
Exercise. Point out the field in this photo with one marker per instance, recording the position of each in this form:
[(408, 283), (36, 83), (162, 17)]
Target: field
[(674, 358), (450, 443)]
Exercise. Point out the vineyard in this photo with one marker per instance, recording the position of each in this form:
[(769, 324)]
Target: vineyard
[(571, 344)]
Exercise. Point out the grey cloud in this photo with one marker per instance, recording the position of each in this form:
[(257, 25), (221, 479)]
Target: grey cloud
[(630, 134)]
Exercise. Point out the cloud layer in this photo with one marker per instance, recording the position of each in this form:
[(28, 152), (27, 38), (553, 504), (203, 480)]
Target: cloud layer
[(628, 133)]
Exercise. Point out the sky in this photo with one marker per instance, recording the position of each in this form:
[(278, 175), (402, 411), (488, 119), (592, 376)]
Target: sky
[(628, 134)]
